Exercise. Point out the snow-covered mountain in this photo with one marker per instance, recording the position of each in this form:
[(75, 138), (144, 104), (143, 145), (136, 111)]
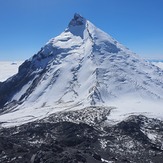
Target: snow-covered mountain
[(81, 67)]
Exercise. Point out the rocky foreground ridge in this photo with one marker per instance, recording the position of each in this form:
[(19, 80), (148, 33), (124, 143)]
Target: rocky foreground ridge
[(58, 140)]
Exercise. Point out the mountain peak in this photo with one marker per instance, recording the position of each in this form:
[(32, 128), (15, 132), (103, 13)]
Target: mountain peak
[(78, 20), (81, 67)]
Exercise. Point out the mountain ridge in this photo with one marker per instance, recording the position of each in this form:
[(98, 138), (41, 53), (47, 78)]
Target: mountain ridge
[(81, 67)]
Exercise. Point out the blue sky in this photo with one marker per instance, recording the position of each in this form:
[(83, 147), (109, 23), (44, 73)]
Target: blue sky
[(26, 25)]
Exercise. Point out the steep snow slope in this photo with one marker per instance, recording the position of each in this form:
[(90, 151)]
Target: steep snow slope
[(8, 68), (81, 67)]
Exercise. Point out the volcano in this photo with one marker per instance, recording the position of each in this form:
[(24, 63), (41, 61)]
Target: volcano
[(82, 67)]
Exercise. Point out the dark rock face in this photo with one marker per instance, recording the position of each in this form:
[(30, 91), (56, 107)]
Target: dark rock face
[(67, 142), (77, 20), (15, 83), (47, 142)]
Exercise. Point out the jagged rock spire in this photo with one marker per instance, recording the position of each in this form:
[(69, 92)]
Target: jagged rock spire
[(77, 20)]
